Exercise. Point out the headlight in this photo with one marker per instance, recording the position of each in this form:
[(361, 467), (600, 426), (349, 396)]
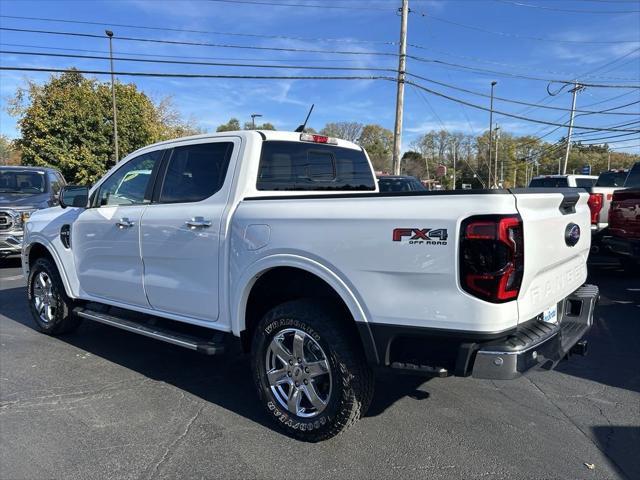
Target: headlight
[(22, 217)]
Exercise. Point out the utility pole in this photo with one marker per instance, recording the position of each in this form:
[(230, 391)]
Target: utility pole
[(493, 84), (402, 62), (495, 176), (253, 120), (109, 34), (609, 161), (454, 165), (575, 91)]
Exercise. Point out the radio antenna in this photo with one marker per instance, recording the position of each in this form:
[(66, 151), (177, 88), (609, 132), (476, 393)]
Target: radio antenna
[(304, 125)]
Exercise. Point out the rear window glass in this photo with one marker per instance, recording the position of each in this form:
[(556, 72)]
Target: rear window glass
[(409, 184), (611, 179), (633, 180), (585, 182), (551, 182), (310, 166)]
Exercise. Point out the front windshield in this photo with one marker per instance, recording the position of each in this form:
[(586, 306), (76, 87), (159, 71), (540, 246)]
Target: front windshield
[(22, 182)]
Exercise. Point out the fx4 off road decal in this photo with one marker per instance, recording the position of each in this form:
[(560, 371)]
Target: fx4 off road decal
[(421, 236)]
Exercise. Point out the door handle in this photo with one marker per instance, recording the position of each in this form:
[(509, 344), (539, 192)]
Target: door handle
[(198, 222), (124, 223)]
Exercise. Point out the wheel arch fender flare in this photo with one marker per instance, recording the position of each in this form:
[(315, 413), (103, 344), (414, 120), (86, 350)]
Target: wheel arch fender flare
[(248, 278), (43, 242)]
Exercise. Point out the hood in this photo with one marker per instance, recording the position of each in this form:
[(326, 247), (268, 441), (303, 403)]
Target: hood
[(13, 200)]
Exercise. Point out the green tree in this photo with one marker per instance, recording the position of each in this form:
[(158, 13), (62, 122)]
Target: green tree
[(264, 126), (350, 131), (413, 163), (67, 124), (9, 154), (378, 142), (232, 125)]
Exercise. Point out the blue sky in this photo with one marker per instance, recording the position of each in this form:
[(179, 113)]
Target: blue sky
[(370, 26)]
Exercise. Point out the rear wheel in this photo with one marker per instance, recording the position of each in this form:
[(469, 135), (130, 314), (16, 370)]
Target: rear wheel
[(310, 371), (49, 304)]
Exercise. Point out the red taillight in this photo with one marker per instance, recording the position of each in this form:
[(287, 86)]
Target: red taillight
[(492, 257), (595, 205)]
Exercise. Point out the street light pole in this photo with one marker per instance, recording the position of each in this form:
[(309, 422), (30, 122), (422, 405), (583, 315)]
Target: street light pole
[(402, 62), (493, 84), (253, 120), (109, 34)]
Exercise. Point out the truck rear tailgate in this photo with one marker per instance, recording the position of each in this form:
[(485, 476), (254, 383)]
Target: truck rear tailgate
[(557, 240)]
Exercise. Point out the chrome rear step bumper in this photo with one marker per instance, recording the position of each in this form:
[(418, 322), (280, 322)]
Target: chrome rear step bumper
[(539, 344)]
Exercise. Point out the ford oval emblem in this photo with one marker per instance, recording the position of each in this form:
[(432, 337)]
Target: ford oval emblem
[(572, 234)]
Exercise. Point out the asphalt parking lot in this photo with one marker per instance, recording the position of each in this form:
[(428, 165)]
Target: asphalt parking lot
[(104, 403)]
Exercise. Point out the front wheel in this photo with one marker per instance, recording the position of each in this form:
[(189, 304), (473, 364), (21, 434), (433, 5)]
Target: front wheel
[(310, 370), (49, 304)]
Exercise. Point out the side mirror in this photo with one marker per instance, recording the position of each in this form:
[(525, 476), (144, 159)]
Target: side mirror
[(74, 196)]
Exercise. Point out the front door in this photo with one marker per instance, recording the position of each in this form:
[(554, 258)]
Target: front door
[(106, 236), (181, 229)]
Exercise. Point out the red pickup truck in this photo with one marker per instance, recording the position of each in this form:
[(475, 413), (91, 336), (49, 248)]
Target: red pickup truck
[(623, 237)]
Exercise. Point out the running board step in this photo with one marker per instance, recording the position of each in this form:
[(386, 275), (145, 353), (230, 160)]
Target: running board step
[(213, 346)]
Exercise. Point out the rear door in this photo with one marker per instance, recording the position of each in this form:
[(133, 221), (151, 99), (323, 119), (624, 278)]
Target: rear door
[(557, 239), (180, 238)]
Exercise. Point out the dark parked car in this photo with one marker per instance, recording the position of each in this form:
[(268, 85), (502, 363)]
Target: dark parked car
[(399, 183), (623, 236), (24, 190)]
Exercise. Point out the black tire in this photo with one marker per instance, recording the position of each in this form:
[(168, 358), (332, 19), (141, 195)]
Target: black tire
[(63, 320), (352, 382)]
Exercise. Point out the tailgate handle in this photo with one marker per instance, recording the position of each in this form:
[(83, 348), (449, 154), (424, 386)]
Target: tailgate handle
[(568, 204)]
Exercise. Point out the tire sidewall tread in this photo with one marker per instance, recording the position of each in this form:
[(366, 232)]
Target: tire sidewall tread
[(65, 321), (352, 386)]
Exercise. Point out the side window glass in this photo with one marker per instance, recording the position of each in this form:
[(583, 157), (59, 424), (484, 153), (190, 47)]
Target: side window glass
[(128, 185), (54, 183), (195, 172)]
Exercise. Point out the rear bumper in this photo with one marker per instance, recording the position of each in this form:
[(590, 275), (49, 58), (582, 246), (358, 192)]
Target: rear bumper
[(495, 355), (539, 344), (628, 247)]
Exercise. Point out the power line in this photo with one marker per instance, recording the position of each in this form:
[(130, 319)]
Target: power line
[(186, 30), (201, 44), (291, 49), (607, 137), (556, 9), (180, 62), (528, 67), (300, 77), (610, 99), (241, 59), (302, 67), (517, 75), (525, 37), (196, 75), (519, 117), (303, 5), (519, 102)]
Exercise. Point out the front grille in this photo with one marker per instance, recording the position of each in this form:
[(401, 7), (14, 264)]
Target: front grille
[(6, 221)]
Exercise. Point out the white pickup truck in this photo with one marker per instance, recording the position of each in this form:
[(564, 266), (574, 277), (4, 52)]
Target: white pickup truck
[(282, 241)]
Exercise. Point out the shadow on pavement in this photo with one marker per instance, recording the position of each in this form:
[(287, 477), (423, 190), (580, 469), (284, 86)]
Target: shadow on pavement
[(614, 346), (621, 446), (225, 380)]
